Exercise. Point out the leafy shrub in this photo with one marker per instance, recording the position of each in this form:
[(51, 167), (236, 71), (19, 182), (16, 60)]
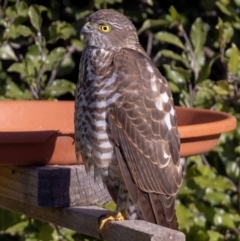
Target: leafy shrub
[(196, 46), (36, 56)]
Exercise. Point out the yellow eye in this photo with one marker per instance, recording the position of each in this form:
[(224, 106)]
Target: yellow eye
[(105, 28)]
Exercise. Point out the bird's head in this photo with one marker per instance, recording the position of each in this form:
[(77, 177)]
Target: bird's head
[(109, 29)]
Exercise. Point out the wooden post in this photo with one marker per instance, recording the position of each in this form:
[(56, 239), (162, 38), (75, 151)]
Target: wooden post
[(52, 186)]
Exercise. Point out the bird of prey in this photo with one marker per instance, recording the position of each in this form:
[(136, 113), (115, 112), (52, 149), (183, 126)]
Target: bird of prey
[(125, 121)]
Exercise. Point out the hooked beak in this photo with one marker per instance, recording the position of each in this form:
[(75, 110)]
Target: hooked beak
[(86, 28)]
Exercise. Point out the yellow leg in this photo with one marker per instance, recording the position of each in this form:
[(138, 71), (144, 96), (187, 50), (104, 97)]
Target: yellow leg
[(119, 217), (108, 218)]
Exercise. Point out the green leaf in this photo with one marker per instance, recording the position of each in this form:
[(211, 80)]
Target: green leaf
[(153, 23), (54, 57), (77, 44), (14, 92), (217, 198), (184, 216), (215, 236), (3, 22), (57, 53), (60, 30), (35, 17), (66, 66), (173, 87), (31, 70), (206, 70), (24, 30), (237, 2), (169, 38), (223, 8), (11, 12), (205, 208), (184, 72), (222, 87), (17, 227), (17, 67), (11, 32), (234, 60), (174, 75), (22, 9), (184, 97), (174, 56), (8, 219), (110, 206), (219, 183), (198, 38), (233, 168), (176, 79), (45, 233), (35, 58), (205, 95), (203, 169), (84, 237), (6, 52), (224, 220), (42, 8), (33, 52), (226, 32), (59, 87), (174, 14), (237, 149), (198, 35)]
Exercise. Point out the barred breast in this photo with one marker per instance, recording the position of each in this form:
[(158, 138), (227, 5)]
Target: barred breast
[(96, 91)]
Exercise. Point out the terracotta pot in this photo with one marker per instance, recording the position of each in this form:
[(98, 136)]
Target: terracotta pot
[(41, 132), (36, 132), (200, 129)]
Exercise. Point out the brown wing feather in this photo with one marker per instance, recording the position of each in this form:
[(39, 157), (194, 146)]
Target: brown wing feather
[(143, 125), (137, 196)]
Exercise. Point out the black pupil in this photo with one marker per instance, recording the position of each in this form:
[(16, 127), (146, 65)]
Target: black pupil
[(105, 28)]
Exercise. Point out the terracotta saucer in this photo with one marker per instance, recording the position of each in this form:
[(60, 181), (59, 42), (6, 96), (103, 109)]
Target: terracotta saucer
[(200, 129), (41, 132)]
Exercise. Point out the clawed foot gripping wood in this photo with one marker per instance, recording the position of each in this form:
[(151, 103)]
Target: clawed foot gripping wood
[(62, 195)]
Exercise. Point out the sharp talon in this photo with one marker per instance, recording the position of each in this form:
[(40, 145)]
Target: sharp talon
[(119, 217), (103, 219), (100, 218)]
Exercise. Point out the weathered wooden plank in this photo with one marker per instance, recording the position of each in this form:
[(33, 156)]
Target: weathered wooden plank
[(23, 189), (52, 186), (85, 220)]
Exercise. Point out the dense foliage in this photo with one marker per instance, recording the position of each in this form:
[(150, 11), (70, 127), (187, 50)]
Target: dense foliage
[(195, 44)]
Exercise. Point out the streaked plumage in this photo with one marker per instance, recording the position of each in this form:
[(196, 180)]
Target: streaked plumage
[(125, 122)]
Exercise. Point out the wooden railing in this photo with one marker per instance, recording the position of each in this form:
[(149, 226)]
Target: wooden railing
[(62, 195)]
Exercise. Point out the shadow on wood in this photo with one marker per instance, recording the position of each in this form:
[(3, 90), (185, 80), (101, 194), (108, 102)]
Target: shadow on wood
[(23, 189), (52, 186)]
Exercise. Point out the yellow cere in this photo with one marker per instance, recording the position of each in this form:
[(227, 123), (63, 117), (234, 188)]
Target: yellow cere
[(105, 28), (87, 24)]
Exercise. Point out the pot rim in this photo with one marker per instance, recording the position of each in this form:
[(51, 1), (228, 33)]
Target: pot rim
[(226, 122)]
